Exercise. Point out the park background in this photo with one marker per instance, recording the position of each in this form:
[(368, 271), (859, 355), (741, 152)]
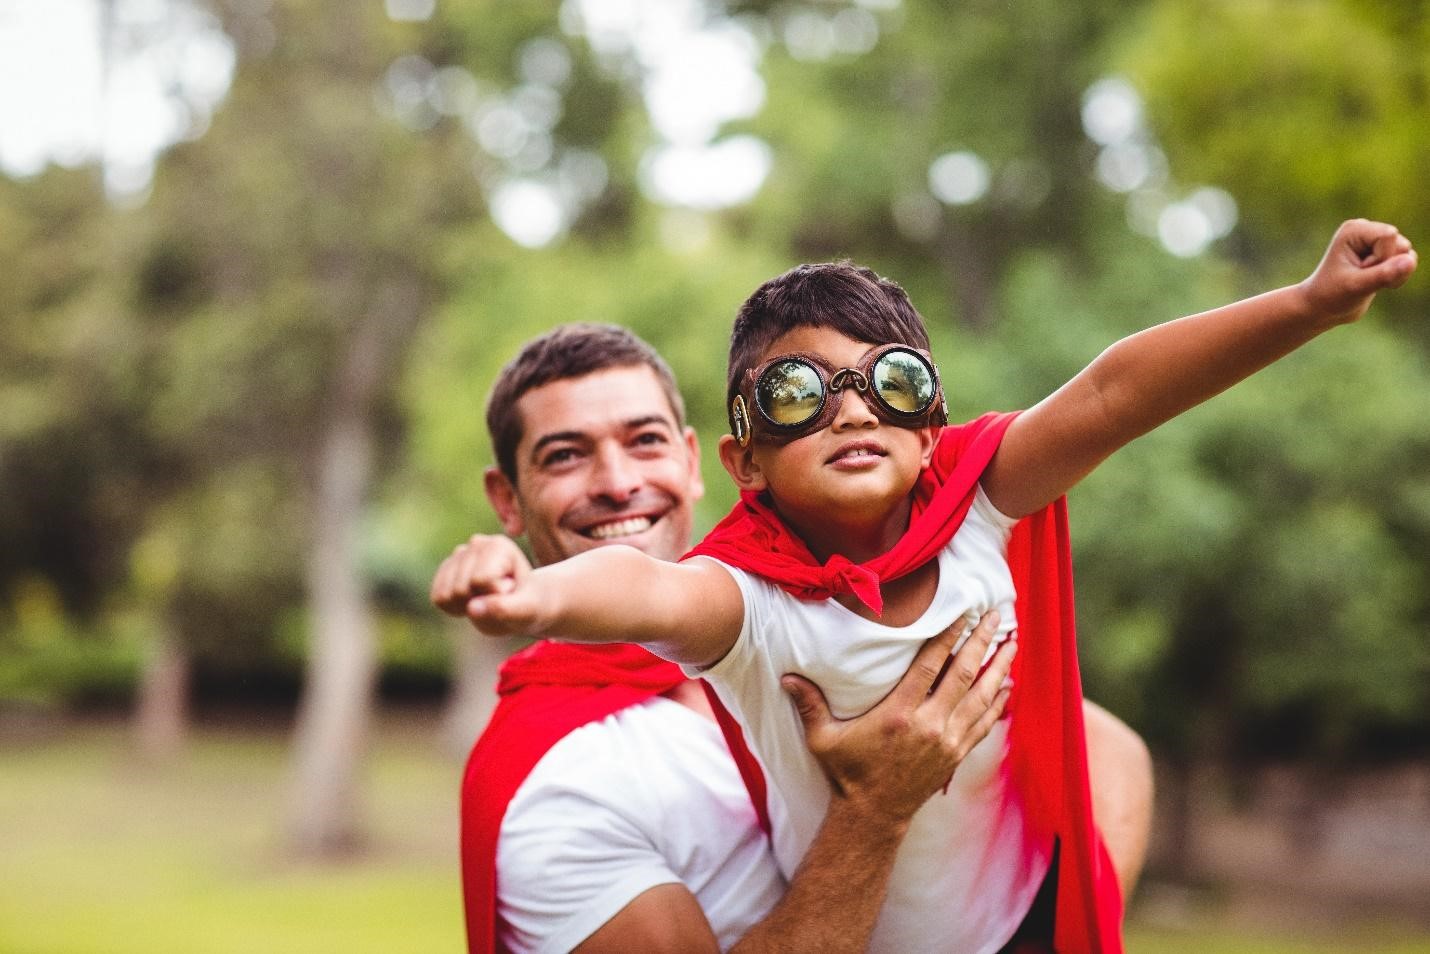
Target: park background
[(263, 258)]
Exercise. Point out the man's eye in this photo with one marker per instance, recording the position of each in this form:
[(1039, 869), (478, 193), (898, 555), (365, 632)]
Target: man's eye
[(650, 438), (558, 457)]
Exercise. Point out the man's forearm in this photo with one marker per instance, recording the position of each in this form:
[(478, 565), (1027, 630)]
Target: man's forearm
[(838, 891)]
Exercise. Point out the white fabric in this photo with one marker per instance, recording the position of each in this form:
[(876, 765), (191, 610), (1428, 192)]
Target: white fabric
[(644, 797), (968, 870)]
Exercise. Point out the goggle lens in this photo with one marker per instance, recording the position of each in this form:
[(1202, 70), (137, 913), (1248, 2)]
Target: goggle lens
[(903, 382), (789, 393)]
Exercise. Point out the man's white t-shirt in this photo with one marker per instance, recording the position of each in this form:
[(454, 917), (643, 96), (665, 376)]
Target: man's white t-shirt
[(968, 870), (646, 796)]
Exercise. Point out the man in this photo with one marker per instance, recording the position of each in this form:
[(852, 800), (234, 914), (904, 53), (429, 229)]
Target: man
[(658, 847)]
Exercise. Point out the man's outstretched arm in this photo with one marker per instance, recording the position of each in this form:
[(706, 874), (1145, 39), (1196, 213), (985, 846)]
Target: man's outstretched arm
[(882, 766)]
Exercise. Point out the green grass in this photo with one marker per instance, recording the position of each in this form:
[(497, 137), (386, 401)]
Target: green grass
[(101, 856), (97, 855), (1364, 940)]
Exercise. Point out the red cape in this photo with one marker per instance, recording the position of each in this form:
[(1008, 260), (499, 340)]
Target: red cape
[(1047, 747), (547, 690)]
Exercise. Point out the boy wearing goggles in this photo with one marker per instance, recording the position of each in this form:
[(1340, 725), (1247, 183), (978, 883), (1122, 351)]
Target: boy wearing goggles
[(857, 506)]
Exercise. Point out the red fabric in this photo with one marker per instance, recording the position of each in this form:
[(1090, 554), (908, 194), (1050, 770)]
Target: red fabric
[(546, 690), (1047, 748), (753, 537)]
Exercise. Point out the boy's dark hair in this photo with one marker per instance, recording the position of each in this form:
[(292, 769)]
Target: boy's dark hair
[(848, 298), (570, 351)]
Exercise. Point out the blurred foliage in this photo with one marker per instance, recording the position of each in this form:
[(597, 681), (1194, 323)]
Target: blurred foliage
[(1252, 578), (1326, 119), (46, 663)]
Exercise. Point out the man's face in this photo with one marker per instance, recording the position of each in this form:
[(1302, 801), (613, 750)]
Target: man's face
[(601, 460)]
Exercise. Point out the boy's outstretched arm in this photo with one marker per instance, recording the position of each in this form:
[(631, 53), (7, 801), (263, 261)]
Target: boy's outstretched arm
[(1148, 378), (689, 613)]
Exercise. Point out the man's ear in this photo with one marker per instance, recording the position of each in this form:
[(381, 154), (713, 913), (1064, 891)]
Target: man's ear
[(503, 498), (692, 453), (739, 463)]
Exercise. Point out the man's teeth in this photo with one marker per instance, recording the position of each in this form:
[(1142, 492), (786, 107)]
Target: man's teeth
[(620, 528), (858, 452)]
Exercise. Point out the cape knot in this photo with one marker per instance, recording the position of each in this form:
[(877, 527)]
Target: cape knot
[(844, 576)]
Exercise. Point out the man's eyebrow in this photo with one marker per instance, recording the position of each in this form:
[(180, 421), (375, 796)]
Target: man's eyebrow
[(557, 437), (639, 422)]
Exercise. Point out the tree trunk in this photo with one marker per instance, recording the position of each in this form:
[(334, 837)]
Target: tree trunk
[(475, 660), (161, 711), (334, 716)]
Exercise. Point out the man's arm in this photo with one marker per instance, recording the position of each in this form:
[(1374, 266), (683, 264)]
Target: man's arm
[(689, 613), (882, 766), (1148, 378)]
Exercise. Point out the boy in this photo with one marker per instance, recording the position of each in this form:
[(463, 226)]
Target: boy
[(859, 517)]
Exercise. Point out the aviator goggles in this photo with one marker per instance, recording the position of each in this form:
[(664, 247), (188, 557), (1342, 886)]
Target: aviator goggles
[(799, 393)]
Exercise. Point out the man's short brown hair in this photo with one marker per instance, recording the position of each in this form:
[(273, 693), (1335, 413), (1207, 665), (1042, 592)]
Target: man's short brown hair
[(570, 351)]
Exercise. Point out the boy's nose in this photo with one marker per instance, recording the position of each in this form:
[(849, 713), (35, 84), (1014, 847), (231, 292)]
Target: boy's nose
[(853, 410)]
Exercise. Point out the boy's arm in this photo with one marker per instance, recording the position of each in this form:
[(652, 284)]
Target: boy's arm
[(1150, 377), (689, 613)]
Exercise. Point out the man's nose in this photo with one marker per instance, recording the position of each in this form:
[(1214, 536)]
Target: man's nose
[(615, 476)]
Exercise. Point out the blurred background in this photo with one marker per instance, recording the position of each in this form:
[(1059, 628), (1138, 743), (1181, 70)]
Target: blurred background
[(263, 258)]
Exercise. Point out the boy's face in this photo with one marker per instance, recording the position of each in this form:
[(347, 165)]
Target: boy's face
[(601, 460), (857, 470)]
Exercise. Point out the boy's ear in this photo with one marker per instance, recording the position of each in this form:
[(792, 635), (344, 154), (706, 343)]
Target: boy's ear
[(503, 498), (739, 463), (928, 440)]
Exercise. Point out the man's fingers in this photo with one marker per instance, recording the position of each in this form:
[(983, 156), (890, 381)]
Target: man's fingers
[(1001, 664), (985, 723), (963, 667), (808, 702), (928, 663)]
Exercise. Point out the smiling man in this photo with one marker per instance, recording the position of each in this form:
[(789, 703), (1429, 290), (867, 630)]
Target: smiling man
[(601, 810)]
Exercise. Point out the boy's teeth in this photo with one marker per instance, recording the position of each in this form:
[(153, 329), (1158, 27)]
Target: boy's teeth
[(620, 528)]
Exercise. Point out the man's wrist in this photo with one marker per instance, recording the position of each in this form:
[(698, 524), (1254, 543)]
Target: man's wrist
[(870, 817)]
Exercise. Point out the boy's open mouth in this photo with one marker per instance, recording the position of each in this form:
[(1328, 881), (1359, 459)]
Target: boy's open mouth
[(857, 450)]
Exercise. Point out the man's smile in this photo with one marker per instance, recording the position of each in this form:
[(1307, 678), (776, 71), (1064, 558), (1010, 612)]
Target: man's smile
[(624, 527)]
